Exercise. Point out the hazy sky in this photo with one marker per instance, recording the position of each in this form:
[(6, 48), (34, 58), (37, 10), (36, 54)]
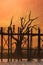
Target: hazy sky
[(17, 8)]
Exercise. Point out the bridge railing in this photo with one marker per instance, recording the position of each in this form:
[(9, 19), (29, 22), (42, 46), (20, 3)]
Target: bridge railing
[(20, 35)]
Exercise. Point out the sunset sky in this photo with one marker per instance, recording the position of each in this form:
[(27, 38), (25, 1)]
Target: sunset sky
[(18, 8)]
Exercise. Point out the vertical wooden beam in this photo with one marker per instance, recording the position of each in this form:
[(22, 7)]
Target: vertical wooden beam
[(20, 43), (13, 28), (1, 44), (10, 44), (17, 45), (28, 45), (31, 45), (38, 44)]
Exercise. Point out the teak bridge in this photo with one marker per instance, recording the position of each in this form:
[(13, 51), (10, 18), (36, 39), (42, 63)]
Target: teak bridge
[(19, 53)]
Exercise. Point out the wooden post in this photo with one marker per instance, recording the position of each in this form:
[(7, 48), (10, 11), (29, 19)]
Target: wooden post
[(9, 43), (31, 45), (28, 46), (1, 44), (20, 43), (17, 45), (38, 44), (13, 28)]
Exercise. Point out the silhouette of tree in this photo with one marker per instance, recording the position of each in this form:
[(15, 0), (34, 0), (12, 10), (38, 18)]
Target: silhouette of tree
[(23, 29)]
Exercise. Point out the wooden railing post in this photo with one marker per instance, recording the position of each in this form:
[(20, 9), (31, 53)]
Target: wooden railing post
[(20, 43), (31, 45), (38, 44), (13, 28), (28, 56), (18, 46), (9, 43), (1, 44)]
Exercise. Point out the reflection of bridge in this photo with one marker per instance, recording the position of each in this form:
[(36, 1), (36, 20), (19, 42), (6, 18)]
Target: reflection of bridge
[(24, 54), (19, 53)]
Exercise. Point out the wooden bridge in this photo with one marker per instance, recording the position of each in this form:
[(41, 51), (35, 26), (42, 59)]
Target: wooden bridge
[(20, 53)]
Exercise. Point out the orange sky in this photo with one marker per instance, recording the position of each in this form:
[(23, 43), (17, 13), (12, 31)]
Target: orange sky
[(17, 8)]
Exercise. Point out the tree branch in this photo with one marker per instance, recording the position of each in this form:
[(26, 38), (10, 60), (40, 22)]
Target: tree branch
[(15, 38), (22, 22), (30, 27)]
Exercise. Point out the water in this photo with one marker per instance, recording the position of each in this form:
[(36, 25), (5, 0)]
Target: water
[(24, 62)]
